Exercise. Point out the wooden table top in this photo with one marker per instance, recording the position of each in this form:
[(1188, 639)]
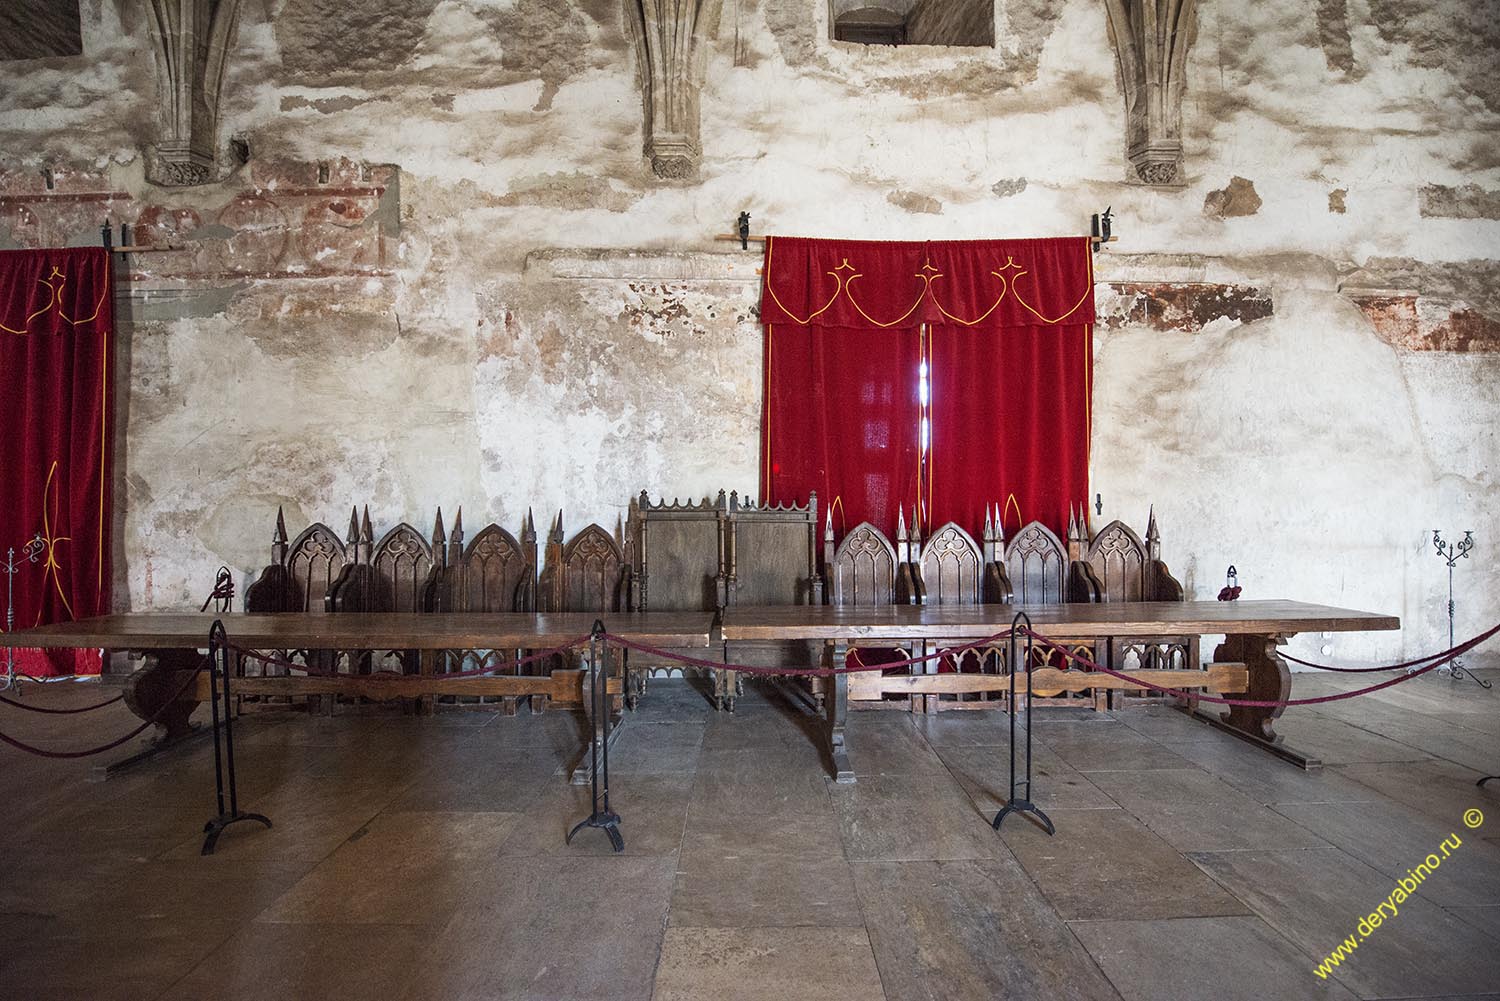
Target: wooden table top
[(368, 631), (1072, 621)]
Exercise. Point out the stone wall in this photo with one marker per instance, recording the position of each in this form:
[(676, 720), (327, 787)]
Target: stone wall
[(447, 274)]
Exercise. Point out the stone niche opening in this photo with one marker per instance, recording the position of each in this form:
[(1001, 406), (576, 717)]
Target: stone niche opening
[(913, 22), (39, 29)]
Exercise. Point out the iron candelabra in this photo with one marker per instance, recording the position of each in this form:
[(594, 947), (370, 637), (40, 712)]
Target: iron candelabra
[(30, 552), (1450, 553)]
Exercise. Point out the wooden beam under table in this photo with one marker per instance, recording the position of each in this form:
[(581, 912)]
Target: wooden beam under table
[(1048, 681)]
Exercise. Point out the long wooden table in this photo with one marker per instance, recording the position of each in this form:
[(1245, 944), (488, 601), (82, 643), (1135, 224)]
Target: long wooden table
[(1252, 631), (173, 643)]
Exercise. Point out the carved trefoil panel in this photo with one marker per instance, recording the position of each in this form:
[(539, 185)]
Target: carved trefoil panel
[(192, 41), (1151, 42), (671, 42)]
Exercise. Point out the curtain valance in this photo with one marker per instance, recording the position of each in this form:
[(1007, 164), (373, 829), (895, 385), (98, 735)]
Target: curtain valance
[(980, 284)]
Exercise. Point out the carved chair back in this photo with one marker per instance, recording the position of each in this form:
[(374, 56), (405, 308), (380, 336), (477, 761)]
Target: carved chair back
[(951, 568), (772, 554), (300, 574), (588, 574), (494, 573), (1117, 556), (401, 565), (1037, 565), (864, 569), (679, 554)]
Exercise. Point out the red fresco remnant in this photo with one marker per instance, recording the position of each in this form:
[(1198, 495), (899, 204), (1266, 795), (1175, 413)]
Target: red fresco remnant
[(291, 220), (1183, 306), (1411, 322)]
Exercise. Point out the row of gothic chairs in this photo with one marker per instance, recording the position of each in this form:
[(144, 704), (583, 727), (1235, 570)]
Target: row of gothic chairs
[(708, 556)]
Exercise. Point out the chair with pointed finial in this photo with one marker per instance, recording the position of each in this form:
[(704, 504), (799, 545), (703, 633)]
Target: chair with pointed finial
[(680, 566), (950, 568), (771, 558), (495, 572), (865, 570), (1115, 565), (300, 578)]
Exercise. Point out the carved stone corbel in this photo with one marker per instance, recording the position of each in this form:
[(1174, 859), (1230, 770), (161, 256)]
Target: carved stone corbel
[(1151, 41), (192, 39), (671, 44)]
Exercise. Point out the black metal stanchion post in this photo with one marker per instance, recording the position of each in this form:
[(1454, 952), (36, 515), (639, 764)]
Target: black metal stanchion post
[(1020, 803), (218, 680), (602, 816)]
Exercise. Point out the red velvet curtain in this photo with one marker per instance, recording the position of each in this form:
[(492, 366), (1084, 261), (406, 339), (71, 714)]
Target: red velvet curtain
[(56, 362), (1001, 330), (841, 418)]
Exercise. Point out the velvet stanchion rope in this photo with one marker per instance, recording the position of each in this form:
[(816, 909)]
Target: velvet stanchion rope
[(1442, 659), (800, 672), (1393, 667), (60, 712), (42, 752)]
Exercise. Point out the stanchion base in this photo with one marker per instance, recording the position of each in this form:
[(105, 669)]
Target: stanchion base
[(608, 822), (1482, 781), (216, 827), (1023, 806)]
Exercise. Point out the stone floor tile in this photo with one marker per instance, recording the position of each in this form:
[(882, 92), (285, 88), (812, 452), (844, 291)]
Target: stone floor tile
[(1266, 779), (1441, 789), (1108, 746), (304, 963), (909, 817), (748, 891), (1188, 959), (1315, 897), (761, 964), (1394, 839), (652, 810), (984, 773), (576, 928), (1107, 864), (970, 929), (111, 966)]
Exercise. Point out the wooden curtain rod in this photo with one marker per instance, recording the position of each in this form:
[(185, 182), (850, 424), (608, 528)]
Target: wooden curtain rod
[(730, 237)]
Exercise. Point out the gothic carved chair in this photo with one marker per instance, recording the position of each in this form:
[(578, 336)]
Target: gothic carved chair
[(1117, 566), (590, 573), (495, 572), (389, 576), (771, 558), (299, 575), (1042, 570), (680, 566), (950, 568), (299, 578), (865, 570)]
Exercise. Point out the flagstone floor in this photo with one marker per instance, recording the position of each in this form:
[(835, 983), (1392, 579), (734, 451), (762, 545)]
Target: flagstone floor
[(423, 858)]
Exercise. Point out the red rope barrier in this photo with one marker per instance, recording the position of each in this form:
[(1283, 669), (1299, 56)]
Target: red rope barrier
[(1393, 667), (801, 672), (60, 712), (42, 752), (1444, 658)]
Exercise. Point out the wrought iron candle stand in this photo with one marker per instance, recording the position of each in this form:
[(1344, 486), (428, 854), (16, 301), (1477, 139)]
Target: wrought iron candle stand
[(32, 551), (1451, 553)]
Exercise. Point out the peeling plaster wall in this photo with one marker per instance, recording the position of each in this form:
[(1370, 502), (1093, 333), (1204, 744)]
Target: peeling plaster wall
[(1297, 363)]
